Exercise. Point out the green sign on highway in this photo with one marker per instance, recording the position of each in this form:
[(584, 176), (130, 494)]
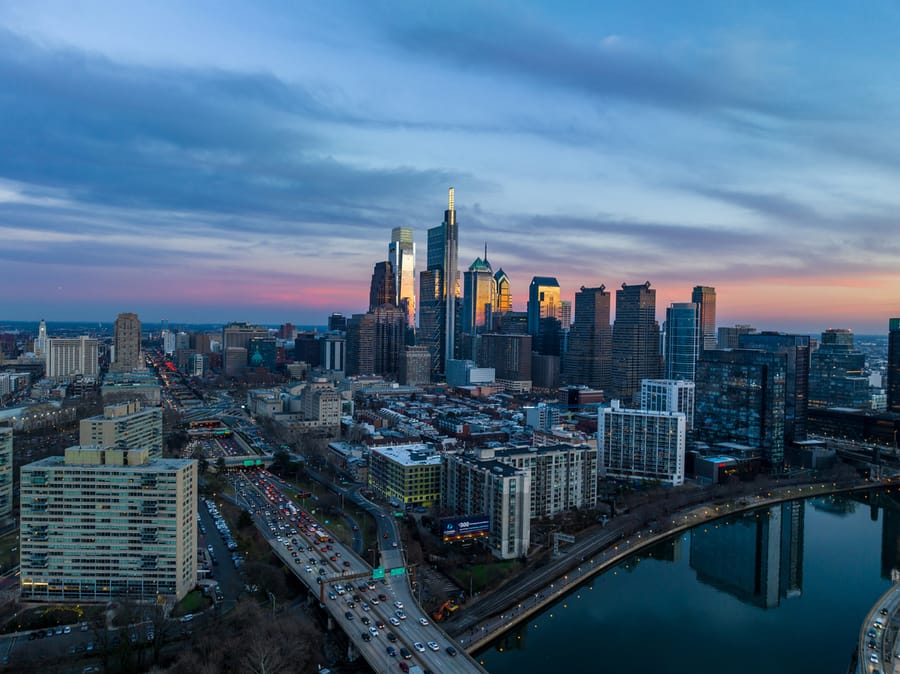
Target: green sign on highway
[(378, 573), (398, 572)]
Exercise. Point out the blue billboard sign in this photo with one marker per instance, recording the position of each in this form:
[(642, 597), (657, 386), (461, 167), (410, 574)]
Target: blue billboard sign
[(458, 528)]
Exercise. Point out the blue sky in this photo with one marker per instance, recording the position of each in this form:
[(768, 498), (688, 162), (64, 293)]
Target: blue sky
[(247, 161)]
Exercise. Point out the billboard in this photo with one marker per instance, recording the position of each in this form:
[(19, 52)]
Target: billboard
[(461, 528)]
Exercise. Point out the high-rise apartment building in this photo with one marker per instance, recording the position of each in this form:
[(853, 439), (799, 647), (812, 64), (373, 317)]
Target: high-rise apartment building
[(510, 356), (543, 302), (383, 290), (669, 395), (683, 340), (641, 445), (470, 487), (69, 358), (124, 425), (104, 524), (705, 299), (402, 256), (740, 397), (635, 340), (127, 343), (415, 366), (893, 366), (837, 373), (6, 472), (796, 401), (589, 358)]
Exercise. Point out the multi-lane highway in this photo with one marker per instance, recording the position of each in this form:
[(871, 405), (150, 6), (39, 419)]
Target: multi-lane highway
[(378, 614)]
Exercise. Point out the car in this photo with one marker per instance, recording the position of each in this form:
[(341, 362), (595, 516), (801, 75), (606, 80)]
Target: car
[(393, 621), (382, 597), (59, 630), (90, 646), (379, 624), (871, 644), (405, 654), (400, 614), (873, 658), (871, 633), (348, 615), (390, 650), (433, 646), (346, 563), (419, 646), (404, 667), (332, 595), (308, 569), (366, 636), (883, 611), (373, 631), (385, 536), (451, 651), (394, 544), (374, 601), (423, 621), (67, 629), (366, 620), (391, 636), (398, 604)]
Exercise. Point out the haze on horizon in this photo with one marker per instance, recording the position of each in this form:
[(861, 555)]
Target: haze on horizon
[(200, 165)]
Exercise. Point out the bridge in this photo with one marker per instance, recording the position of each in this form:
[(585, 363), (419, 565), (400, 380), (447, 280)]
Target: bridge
[(373, 602)]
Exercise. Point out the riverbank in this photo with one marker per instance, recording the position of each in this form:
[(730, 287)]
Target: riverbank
[(605, 549)]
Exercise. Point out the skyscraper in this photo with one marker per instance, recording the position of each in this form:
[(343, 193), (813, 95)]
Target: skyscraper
[(236, 337), (893, 366), (705, 299), (796, 401), (589, 358), (127, 341), (683, 340), (837, 372), (382, 290), (635, 337), (6, 472), (402, 256), (740, 397), (69, 358), (502, 293), (478, 292), (439, 288), (543, 302), (40, 343)]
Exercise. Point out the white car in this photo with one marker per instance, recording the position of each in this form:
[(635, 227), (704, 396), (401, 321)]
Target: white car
[(398, 604), (373, 631), (393, 621), (433, 646), (419, 647), (423, 621)]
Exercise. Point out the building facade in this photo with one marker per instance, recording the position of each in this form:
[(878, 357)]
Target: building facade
[(705, 299), (70, 358), (635, 340), (837, 375), (402, 256), (543, 302), (6, 472), (406, 474), (473, 487), (641, 445), (127, 342), (589, 357), (669, 395), (103, 524), (124, 425), (893, 366), (683, 340)]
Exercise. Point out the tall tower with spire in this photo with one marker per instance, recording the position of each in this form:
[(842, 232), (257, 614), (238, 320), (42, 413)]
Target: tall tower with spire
[(40, 344)]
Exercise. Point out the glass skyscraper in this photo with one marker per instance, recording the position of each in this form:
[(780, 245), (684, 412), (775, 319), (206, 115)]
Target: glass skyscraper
[(683, 340)]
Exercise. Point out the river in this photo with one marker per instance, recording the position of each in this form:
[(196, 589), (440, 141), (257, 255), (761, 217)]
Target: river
[(780, 589)]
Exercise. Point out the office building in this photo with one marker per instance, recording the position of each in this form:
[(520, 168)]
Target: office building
[(728, 337), (837, 373), (71, 358), (307, 349), (478, 295), (402, 256), (108, 524), (705, 299), (382, 290), (796, 401), (589, 357), (543, 302), (472, 487), (669, 395), (563, 477), (40, 342), (893, 366), (635, 340), (6, 472), (641, 445), (333, 350), (337, 322), (683, 340), (125, 425), (406, 474), (376, 342), (235, 345), (740, 397), (510, 357), (502, 292)]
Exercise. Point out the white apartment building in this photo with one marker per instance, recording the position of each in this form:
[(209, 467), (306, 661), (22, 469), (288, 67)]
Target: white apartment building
[(100, 524), (126, 426), (669, 395), (641, 445), (68, 358)]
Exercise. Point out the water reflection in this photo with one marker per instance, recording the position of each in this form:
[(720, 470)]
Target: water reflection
[(756, 557)]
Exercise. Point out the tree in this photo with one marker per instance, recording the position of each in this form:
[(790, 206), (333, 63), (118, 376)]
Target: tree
[(220, 465)]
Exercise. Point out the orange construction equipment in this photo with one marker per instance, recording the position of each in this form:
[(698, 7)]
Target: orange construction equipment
[(444, 610)]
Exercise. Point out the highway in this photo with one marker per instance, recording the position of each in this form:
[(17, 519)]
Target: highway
[(878, 643), (378, 614)]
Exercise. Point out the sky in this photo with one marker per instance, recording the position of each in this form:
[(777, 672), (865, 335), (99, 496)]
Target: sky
[(216, 161)]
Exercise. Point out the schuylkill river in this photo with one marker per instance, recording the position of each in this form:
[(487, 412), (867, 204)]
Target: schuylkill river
[(781, 589)]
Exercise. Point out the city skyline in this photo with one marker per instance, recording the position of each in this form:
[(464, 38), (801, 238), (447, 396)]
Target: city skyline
[(194, 165)]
